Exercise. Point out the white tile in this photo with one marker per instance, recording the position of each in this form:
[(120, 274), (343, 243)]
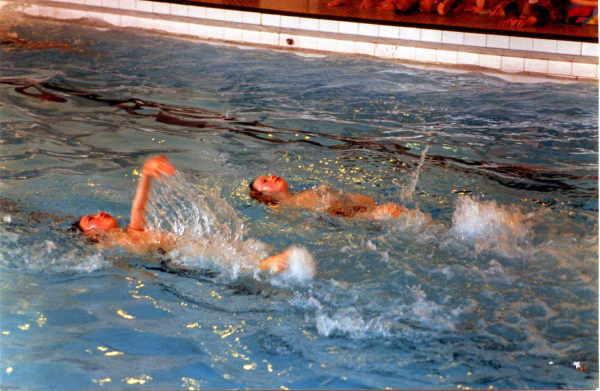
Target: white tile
[(544, 45), (467, 58), (233, 16), (307, 42), (127, 5), (251, 36), (146, 23), (367, 29), (129, 21), (232, 34), (197, 12), (163, 25), (453, 37), (410, 33), (563, 68), (431, 35), (425, 55), (365, 48), (215, 32), (585, 70), (63, 13), (490, 61), (328, 26), (389, 32), (309, 24), (110, 3), (326, 44), (589, 49), (478, 40), (513, 64), (345, 46), (180, 28), (349, 28), (497, 41), (535, 65), (290, 22), (520, 43), (406, 53), (215, 13), (271, 20), (180, 10), (143, 6), (288, 40), (162, 8), (32, 9), (113, 19), (95, 3), (269, 38), (447, 57), (385, 51), (567, 47), (251, 17), (47, 12)]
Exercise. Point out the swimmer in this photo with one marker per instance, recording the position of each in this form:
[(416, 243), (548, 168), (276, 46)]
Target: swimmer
[(103, 229), (274, 191)]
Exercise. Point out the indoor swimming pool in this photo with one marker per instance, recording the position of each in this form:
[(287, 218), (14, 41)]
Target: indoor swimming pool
[(490, 280)]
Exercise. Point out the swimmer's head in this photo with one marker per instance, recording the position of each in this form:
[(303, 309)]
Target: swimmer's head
[(91, 224), (269, 189)]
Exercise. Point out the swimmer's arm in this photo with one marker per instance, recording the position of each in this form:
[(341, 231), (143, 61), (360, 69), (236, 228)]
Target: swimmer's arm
[(153, 167), (276, 263)]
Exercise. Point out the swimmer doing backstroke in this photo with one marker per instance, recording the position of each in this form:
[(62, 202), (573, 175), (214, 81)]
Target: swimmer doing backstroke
[(104, 229), (272, 190)]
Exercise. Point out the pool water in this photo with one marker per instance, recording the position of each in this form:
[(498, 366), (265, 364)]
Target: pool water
[(491, 281)]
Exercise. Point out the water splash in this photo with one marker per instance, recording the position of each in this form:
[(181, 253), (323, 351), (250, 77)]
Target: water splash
[(407, 194), (209, 233)]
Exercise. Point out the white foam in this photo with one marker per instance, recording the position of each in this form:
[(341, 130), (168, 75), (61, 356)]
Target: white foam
[(301, 266), (475, 219)]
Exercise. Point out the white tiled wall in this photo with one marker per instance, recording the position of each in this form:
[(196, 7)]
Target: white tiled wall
[(499, 52)]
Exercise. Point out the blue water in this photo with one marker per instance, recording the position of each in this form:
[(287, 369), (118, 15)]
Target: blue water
[(491, 281)]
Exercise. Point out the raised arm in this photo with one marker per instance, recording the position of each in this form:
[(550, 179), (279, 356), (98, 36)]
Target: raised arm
[(154, 167)]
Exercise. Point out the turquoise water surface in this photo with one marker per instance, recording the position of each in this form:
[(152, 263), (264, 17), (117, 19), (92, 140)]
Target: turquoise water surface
[(490, 282)]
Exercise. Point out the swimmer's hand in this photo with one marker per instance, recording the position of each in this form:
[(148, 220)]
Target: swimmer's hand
[(276, 263), (158, 166)]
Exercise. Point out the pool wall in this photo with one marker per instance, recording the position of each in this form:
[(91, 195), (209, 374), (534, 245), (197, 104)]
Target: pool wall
[(514, 57)]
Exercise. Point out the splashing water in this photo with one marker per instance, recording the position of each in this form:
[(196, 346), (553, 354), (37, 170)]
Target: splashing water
[(209, 233), (407, 194)]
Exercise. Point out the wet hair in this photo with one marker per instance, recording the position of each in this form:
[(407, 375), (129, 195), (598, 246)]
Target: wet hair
[(264, 197), (75, 229)]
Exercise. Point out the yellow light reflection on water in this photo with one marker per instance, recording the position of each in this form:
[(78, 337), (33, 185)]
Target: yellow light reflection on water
[(137, 380), (125, 315)]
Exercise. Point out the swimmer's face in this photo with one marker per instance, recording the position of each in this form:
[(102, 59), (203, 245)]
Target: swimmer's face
[(98, 222), (271, 184)]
